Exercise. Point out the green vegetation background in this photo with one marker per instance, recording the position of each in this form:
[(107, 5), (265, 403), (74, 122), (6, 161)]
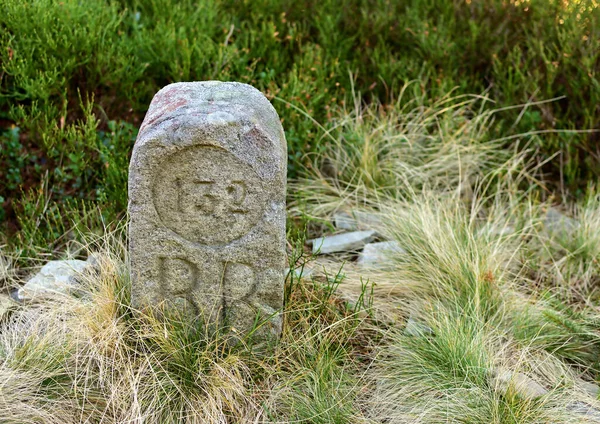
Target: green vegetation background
[(77, 77)]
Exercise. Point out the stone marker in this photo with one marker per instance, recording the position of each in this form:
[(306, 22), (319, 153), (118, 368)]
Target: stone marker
[(207, 205)]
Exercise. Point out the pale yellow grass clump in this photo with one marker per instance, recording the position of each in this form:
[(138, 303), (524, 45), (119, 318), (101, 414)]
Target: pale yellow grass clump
[(376, 153), (488, 314), (89, 359), (478, 288), (94, 358)]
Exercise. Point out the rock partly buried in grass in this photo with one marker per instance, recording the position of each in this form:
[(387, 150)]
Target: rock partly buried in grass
[(55, 278), (505, 381), (556, 222), (344, 221), (416, 328), (7, 304), (590, 388), (207, 206), (379, 255), (357, 220), (346, 242), (584, 410), (300, 272)]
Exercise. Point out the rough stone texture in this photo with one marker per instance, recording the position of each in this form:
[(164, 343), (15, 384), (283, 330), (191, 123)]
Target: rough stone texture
[(556, 222), (591, 388), (378, 254), (505, 380), (56, 277), (357, 220), (345, 242), (207, 205), (584, 410), (6, 306)]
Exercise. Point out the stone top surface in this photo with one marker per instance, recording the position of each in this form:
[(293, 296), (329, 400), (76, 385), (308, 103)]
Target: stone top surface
[(206, 101)]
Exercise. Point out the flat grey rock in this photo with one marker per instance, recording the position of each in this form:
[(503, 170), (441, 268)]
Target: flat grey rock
[(557, 222), (345, 221), (529, 389), (416, 328), (346, 242), (207, 182), (55, 278), (301, 272), (584, 410), (7, 304), (379, 254)]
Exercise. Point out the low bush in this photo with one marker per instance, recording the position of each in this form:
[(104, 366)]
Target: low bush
[(77, 77)]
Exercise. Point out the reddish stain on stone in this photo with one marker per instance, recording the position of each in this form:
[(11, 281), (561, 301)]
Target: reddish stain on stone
[(257, 138), (168, 101)]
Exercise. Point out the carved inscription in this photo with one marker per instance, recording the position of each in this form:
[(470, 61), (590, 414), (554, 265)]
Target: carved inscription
[(207, 182), (206, 195), (216, 295)]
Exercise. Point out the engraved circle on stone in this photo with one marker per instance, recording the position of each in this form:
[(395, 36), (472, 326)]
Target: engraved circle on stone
[(208, 196)]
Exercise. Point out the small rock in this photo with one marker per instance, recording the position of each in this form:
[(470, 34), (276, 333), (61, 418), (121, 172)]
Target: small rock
[(376, 254), (529, 389), (556, 221), (591, 388), (345, 221), (498, 230), (95, 259), (301, 272), (56, 277), (582, 408), (345, 242), (368, 220), (6, 306), (416, 328), (357, 220)]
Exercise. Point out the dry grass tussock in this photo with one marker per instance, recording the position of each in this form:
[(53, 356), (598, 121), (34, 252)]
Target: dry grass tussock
[(468, 313), (492, 280), (489, 314), (94, 358), (376, 153)]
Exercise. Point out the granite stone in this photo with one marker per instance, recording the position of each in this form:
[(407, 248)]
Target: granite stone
[(207, 206)]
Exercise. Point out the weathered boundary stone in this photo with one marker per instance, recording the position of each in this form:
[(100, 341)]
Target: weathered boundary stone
[(207, 205)]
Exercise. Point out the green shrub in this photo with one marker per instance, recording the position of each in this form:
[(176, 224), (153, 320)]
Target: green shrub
[(69, 68)]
